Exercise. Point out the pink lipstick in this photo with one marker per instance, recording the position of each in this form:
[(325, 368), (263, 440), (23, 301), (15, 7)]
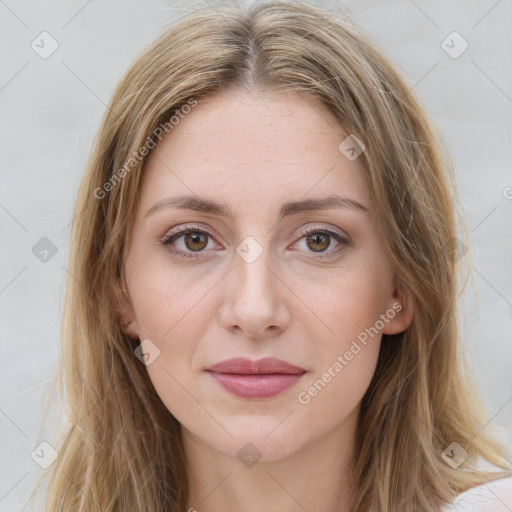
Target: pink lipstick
[(256, 379)]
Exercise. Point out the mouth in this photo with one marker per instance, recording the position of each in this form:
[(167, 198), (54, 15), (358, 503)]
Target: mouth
[(264, 378)]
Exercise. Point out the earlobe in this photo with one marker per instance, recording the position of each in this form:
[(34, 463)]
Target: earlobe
[(400, 310), (131, 330), (124, 310)]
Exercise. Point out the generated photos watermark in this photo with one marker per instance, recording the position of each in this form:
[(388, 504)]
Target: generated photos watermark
[(137, 156), (304, 397)]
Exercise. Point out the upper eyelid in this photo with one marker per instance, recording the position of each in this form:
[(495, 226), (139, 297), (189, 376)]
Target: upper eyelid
[(302, 231), (178, 230)]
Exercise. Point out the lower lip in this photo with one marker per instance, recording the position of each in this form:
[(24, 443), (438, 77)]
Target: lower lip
[(256, 386)]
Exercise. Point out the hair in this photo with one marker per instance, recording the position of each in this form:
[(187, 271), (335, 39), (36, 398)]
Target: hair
[(120, 447)]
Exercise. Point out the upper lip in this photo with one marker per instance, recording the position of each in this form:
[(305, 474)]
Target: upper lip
[(267, 365)]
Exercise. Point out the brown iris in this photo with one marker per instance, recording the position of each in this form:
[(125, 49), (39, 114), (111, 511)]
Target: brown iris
[(320, 240), (198, 241)]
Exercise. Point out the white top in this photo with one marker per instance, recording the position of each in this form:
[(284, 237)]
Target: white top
[(495, 496)]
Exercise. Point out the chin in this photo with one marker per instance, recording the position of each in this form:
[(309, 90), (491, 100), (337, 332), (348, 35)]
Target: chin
[(255, 440)]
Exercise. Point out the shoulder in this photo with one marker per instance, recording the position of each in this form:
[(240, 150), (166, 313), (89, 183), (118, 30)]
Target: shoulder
[(495, 496)]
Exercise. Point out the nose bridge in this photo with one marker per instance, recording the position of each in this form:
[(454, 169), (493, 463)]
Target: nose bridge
[(252, 270), (254, 302)]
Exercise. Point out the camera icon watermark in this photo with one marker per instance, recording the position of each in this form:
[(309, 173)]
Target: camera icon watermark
[(351, 147), (454, 455), (44, 250), (454, 45), (457, 249), (44, 455), (44, 45), (249, 249), (147, 352), (249, 454)]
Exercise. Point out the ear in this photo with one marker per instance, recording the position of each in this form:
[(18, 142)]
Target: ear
[(400, 308), (124, 308)]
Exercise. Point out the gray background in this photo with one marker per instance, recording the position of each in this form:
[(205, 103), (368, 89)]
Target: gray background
[(51, 109)]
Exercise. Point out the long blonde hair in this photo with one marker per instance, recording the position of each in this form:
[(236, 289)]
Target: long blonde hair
[(121, 448)]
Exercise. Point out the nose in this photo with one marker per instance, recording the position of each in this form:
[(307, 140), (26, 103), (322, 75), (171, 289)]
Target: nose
[(255, 303)]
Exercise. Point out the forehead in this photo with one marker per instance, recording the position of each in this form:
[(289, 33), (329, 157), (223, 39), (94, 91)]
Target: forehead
[(246, 148)]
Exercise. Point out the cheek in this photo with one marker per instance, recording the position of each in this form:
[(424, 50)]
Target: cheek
[(336, 391), (348, 305), (168, 300), (346, 353)]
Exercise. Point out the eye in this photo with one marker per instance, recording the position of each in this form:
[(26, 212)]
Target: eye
[(320, 239), (194, 240)]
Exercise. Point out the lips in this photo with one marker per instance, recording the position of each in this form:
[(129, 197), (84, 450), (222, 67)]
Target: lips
[(263, 366), (264, 378)]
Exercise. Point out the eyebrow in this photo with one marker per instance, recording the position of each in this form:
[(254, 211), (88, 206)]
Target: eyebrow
[(293, 207)]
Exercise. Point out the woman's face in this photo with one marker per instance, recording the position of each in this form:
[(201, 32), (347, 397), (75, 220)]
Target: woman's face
[(251, 176)]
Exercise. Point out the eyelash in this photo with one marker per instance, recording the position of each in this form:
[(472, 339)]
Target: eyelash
[(185, 230)]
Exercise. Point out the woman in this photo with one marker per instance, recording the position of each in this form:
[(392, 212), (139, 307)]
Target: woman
[(262, 310)]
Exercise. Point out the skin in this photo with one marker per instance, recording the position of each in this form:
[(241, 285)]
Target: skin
[(255, 153)]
